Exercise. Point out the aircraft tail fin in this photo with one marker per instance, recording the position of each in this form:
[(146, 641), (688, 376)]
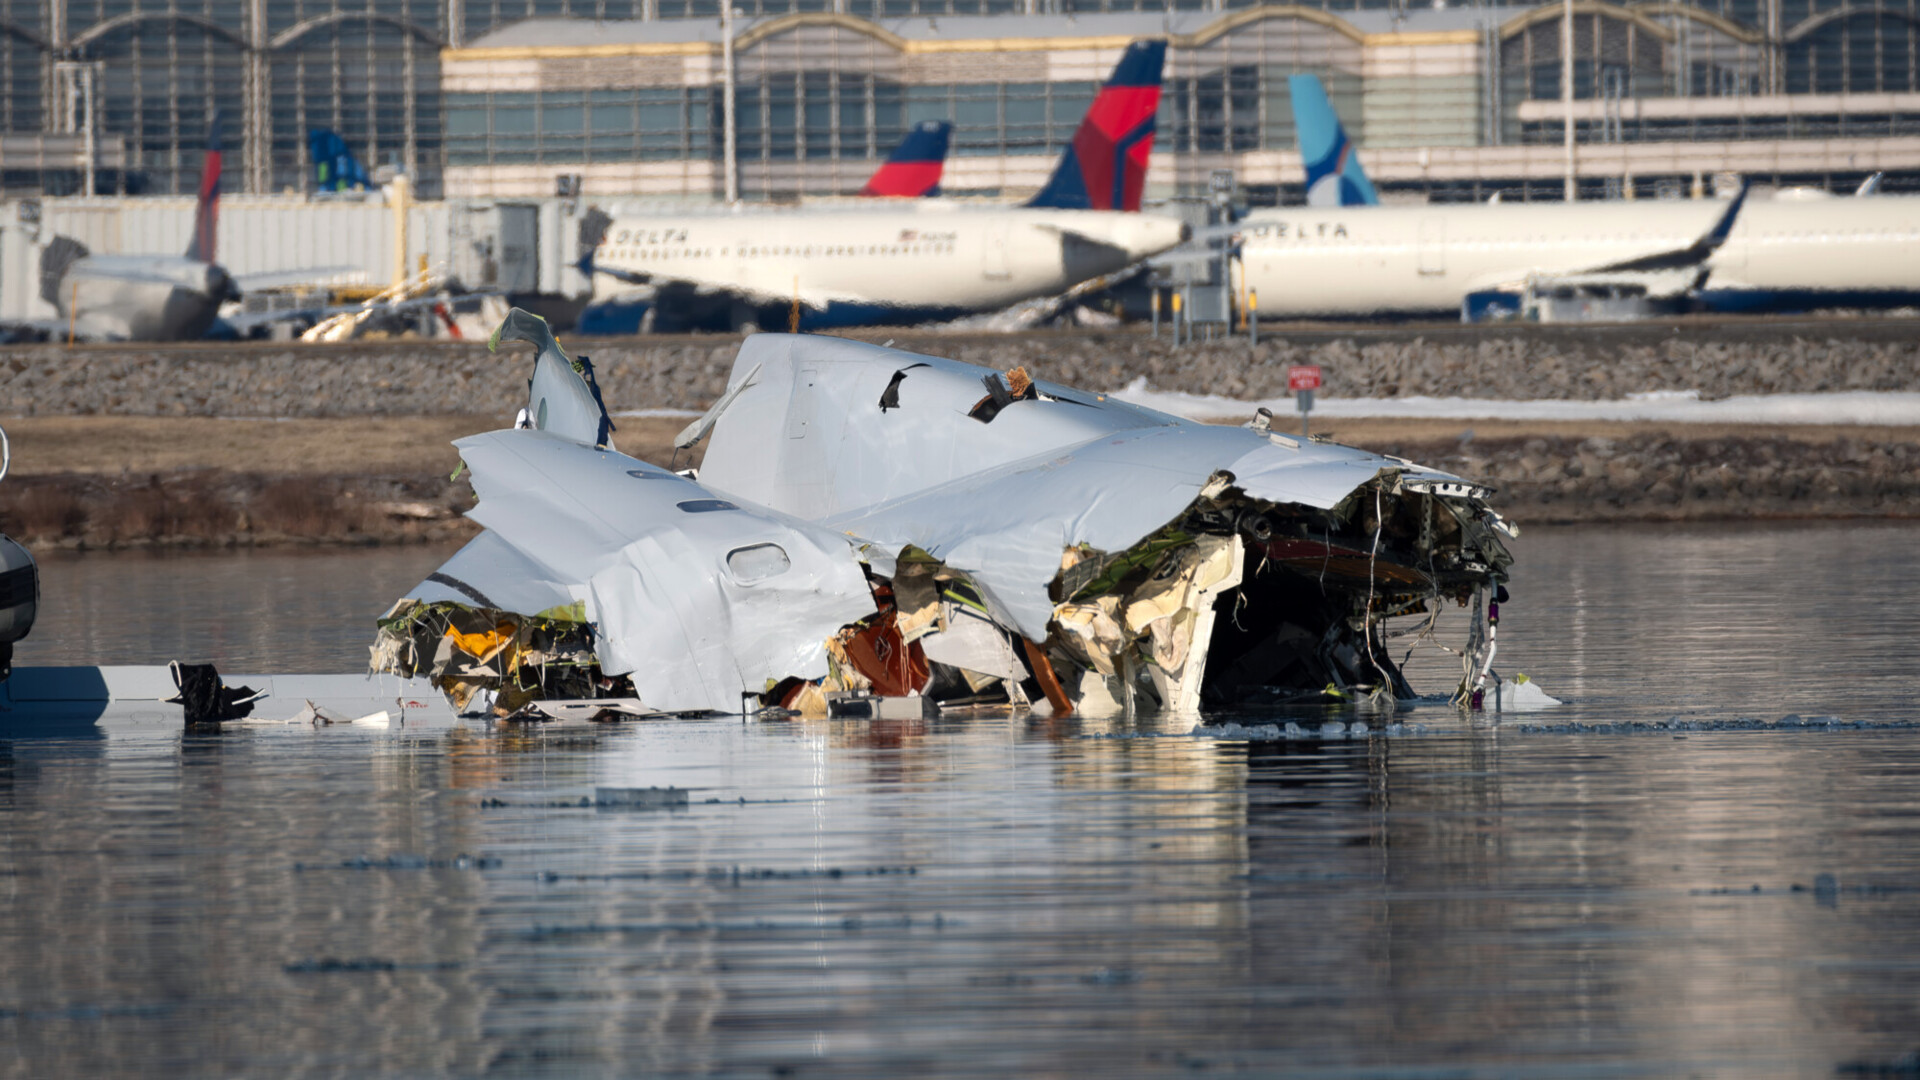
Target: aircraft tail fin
[(1105, 166), (913, 169), (1334, 175), (206, 218), (59, 254), (593, 229), (334, 166)]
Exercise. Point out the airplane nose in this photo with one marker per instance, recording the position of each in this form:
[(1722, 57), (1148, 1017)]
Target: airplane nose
[(1186, 232)]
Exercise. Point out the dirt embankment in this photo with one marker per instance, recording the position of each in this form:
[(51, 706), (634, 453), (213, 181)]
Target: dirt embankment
[(142, 482)]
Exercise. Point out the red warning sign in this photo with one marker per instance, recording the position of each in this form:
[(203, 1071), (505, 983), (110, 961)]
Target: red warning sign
[(1303, 377)]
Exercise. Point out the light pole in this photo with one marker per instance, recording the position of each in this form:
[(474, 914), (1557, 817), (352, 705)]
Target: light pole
[(1566, 93), (729, 162)]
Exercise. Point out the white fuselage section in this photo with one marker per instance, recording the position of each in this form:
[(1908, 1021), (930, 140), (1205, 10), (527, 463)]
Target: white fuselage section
[(142, 297), (1393, 260), (936, 257)]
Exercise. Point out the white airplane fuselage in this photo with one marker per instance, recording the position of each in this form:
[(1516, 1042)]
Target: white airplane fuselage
[(893, 265), (142, 297), (1409, 260)]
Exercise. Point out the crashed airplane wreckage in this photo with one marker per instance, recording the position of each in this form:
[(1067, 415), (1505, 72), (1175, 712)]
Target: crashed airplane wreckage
[(872, 524)]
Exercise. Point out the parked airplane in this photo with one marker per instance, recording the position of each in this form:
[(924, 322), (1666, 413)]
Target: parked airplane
[(1334, 175), (912, 171), (1780, 255), (906, 264), (144, 297), (155, 297)]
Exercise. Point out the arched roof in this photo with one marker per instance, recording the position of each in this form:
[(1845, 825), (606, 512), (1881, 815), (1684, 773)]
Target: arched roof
[(1552, 12), (1206, 35), (8, 26), (1227, 24), (1739, 31), (1818, 22), (854, 23), (133, 18), (320, 22)]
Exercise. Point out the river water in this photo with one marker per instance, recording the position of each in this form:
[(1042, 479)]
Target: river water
[(1611, 888)]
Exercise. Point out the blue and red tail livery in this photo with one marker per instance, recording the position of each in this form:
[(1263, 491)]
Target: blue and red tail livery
[(1105, 167), (206, 217), (912, 171)]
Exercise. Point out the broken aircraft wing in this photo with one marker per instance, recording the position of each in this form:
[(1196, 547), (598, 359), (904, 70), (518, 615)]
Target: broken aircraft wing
[(868, 519)]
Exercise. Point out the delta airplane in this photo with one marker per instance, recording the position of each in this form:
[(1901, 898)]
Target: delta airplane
[(918, 262), (1344, 259), (143, 297), (158, 297), (1418, 260)]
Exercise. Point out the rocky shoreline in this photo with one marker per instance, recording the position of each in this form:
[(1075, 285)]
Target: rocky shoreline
[(216, 489), (403, 378)]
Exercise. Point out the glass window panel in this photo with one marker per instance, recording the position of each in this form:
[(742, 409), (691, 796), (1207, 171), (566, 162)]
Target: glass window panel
[(609, 118), (976, 114), (610, 147), (1026, 104), (1070, 101), (563, 119), (515, 150), (467, 119), (660, 117), (819, 129), (514, 120), (928, 103), (562, 147)]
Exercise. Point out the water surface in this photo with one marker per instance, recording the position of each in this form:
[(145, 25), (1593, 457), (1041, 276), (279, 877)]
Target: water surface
[(995, 896)]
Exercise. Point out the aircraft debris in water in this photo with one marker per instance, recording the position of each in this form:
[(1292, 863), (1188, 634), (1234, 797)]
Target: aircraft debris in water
[(873, 528)]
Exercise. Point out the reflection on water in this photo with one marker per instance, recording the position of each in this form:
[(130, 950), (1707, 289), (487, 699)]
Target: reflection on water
[(244, 610), (985, 896)]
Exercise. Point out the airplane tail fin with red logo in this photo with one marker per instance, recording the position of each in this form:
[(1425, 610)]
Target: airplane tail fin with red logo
[(1105, 167), (206, 218), (912, 171)]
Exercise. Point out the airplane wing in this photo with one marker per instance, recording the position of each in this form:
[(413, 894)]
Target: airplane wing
[(246, 322), (313, 275), (1694, 254)]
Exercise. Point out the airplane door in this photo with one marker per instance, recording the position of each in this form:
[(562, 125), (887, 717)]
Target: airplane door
[(994, 255), (1433, 246)]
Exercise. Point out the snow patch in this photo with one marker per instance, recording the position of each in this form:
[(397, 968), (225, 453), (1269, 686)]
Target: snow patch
[(1881, 408)]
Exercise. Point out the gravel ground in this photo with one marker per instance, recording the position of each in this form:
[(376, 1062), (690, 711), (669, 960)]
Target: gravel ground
[(430, 379)]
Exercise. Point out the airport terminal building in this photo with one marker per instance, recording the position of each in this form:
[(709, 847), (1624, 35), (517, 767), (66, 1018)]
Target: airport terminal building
[(494, 99)]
